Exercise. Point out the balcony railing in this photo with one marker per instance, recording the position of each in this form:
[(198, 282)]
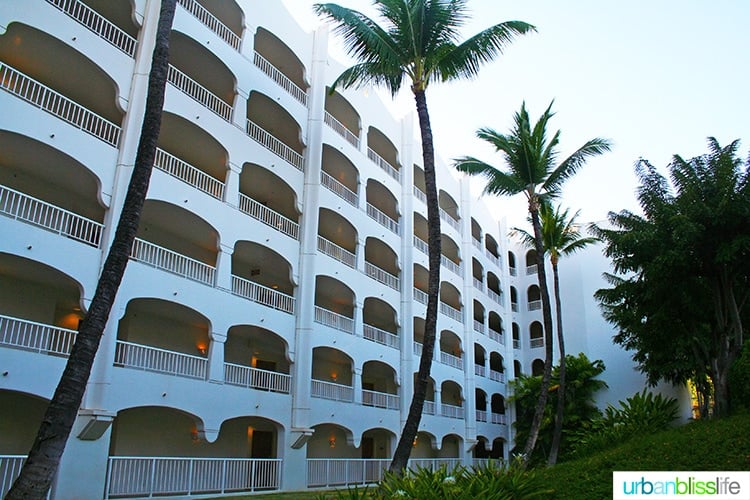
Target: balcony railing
[(451, 360), (36, 337), (448, 219), (336, 252), (538, 342), (345, 471), (496, 297), (531, 269), (417, 346), (271, 143), (24, 208), (477, 243), (514, 306), (512, 271), (334, 320), (451, 312), (493, 258), (148, 358), (268, 217), (380, 399), (189, 174), (450, 265), (380, 336), (481, 416), (329, 390), (341, 129), (516, 344), (428, 408), (535, 305), (420, 296), (383, 219), (382, 276), (497, 376), (480, 370), (420, 245), (478, 326), (173, 262), (92, 20), (172, 476), (58, 105), (280, 78), (451, 411), (382, 163), (199, 93), (212, 23), (339, 189), (262, 294), (255, 378), (498, 418), (478, 284), (10, 468), (496, 336), (419, 194)]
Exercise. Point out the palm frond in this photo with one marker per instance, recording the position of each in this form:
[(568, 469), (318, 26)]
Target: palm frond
[(575, 161), (498, 183)]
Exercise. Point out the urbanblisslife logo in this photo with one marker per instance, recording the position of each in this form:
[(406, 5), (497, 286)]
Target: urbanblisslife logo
[(680, 485)]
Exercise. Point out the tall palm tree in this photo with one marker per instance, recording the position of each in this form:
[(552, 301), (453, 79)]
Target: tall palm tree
[(560, 237), (44, 458), (419, 42), (531, 156)]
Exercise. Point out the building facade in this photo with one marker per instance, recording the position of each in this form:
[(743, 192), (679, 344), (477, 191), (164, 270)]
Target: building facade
[(267, 331)]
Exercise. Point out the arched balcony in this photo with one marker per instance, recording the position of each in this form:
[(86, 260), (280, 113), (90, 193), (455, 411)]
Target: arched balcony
[(449, 210), (480, 401), (497, 368), (533, 298), (383, 153), (340, 176), (420, 284), (537, 367), (271, 126), (531, 264), (496, 331), (484, 450), (419, 186), (477, 273), (380, 386), (492, 249), (164, 337), (429, 397), (256, 358), (478, 317), (263, 276), (342, 118), (22, 414), (334, 304), (380, 322), (497, 409), (450, 302), (332, 375), (517, 371), (451, 353), (223, 17), (451, 255), (512, 264), (274, 58), (480, 360), (494, 289), (513, 299), (536, 335), (451, 400), (420, 235), (476, 234), (516, 336), (381, 263), (418, 329), (382, 206), (337, 237), (269, 199)]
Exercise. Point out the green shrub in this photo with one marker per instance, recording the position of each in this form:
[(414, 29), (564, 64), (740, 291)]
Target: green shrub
[(739, 380)]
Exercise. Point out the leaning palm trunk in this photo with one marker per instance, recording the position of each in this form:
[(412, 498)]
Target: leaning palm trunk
[(41, 465), (561, 392), (536, 423), (411, 426)]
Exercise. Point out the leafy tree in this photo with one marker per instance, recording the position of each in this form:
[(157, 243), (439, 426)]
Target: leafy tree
[(561, 237), (419, 43), (580, 410), (44, 458), (680, 286), (532, 170)]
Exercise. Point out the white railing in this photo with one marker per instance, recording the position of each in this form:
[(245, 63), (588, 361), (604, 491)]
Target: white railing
[(497, 418), (428, 408), (420, 296), (189, 174), (480, 370), (339, 189), (496, 336), (382, 163), (451, 360), (212, 23), (448, 218), (450, 265), (419, 194), (153, 359), (280, 78), (173, 262), (383, 219), (516, 344), (57, 104), (538, 342), (512, 271), (497, 376), (255, 378), (183, 476), (199, 93), (493, 258), (37, 337), (380, 399), (345, 471), (451, 312), (478, 284), (10, 468), (421, 245), (89, 18), (417, 348), (451, 411), (271, 143), (531, 269), (434, 463), (514, 306), (380, 336), (262, 294), (382, 276), (477, 243), (24, 208), (496, 297), (481, 416), (334, 251), (330, 390), (341, 129), (478, 326), (268, 217), (334, 320), (535, 305)]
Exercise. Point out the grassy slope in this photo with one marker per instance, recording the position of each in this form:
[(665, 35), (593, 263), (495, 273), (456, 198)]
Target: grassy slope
[(702, 445)]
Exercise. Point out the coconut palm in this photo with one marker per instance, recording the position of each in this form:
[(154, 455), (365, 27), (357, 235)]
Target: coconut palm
[(43, 460), (418, 44), (560, 237), (531, 159)]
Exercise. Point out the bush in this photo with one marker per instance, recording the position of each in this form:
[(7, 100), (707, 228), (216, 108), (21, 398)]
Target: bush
[(739, 380)]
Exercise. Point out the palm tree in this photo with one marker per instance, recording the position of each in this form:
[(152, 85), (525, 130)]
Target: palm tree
[(44, 458), (560, 237), (531, 156), (419, 42)]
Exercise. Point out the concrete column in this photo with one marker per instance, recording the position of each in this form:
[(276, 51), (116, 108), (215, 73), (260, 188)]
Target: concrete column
[(216, 358), (232, 185), (224, 267), (357, 385), (239, 109)]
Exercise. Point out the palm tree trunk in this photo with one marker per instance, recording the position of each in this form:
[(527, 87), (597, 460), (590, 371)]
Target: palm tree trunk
[(41, 465), (411, 426), (536, 423), (561, 393)]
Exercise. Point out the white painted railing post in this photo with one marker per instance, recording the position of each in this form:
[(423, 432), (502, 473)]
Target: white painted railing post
[(216, 358)]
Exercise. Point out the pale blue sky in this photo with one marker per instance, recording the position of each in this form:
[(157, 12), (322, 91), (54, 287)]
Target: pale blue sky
[(655, 76)]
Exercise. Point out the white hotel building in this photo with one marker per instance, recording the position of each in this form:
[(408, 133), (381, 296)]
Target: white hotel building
[(268, 326)]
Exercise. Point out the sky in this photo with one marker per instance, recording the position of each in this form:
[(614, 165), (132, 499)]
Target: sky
[(655, 77)]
